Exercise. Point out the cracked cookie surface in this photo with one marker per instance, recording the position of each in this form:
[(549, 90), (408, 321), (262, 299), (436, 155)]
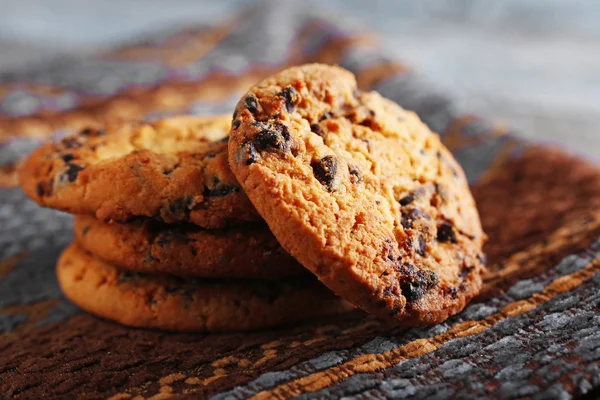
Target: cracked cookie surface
[(361, 192), (187, 250), (172, 170), (186, 305)]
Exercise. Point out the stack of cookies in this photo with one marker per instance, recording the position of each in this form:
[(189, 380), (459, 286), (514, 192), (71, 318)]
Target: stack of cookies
[(203, 224), (164, 236)]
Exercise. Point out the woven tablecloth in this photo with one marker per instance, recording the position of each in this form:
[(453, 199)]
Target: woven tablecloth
[(534, 331)]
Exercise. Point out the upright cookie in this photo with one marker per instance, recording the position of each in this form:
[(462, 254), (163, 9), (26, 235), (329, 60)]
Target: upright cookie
[(173, 170), (175, 304), (187, 250), (361, 192)]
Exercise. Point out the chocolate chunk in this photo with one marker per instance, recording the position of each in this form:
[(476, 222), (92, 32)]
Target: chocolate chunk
[(355, 175), (446, 233), (420, 247), (410, 216), (387, 250), (406, 200), (315, 128), (325, 116), (173, 235), (419, 284), (273, 137), (247, 154), (67, 157), (291, 97), (220, 190), (71, 143), (482, 258), (465, 272), (325, 171), (236, 124), (40, 189), (85, 230), (180, 208), (72, 172), (251, 103), (91, 132)]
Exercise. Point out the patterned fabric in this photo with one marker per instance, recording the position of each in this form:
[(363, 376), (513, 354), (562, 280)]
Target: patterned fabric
[(534, 331)]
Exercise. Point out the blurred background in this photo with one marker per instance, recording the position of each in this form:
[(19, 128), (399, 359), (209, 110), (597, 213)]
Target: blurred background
[(533, 64)]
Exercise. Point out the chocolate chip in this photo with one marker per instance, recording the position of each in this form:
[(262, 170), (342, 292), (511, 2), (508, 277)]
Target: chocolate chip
[(236, 124), (247, 154), (85, 230), (179, 209), (325, 171), (482, 258), (406, 200), (173, 235), (72, 172), (419, 284), (315, 128), (235, 114), (453, 291), (446, 233), (410, 216), (325, 116), (291, 97), (355, 175), (273, 136), (67, 157), (71, 143), (420, 247), (388, 251), (251, 103), (91, 132), (465, 272), (220, 190), (40, 189)]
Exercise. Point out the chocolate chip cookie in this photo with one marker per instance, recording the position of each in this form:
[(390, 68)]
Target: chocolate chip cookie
[(361, 192), (172, 170), (187, 250), (176, 304)]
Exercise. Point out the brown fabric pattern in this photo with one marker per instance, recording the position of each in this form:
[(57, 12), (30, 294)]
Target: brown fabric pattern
[(532, 331)]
